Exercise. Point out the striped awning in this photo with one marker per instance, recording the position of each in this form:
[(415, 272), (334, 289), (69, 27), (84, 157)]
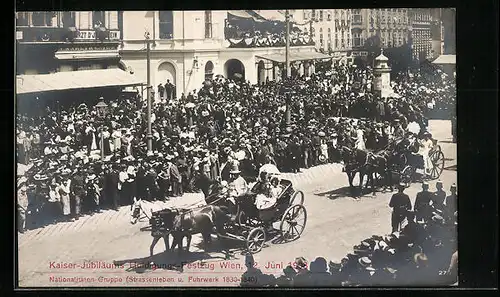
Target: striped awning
[(280, 58), (73, 80)]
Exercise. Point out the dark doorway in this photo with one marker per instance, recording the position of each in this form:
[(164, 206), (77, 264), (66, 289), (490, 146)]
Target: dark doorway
[(234, 69)]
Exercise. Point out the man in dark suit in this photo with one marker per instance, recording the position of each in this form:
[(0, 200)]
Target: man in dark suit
[(169, 88), (112, 186), (422, 207), (78, 192), (161, 91), (400, 204)]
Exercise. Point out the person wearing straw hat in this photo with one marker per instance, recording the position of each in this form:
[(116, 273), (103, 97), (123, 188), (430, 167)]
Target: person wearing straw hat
[(401, 204)]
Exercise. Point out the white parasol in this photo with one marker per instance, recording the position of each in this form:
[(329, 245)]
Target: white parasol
[(269, 169), (190, 105)]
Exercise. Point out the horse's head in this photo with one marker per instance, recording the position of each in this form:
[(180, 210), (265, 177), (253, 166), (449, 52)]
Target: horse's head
[(136, 210)]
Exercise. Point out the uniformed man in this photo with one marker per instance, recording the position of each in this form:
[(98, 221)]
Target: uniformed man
[(401, 204), (451, 202), (439, 196), (423, 203)]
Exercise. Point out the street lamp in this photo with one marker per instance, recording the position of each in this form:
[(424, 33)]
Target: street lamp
[(101, 113)]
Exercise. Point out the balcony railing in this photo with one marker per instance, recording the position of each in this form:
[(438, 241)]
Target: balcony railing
[(54, 34)]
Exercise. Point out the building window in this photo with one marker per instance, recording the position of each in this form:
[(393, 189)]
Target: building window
[(321, 15), (329, 16), (22, 19), (68, 19), (98, 18), (208, 24), (356, 39), (313, 14), (209, 70), (305, 15), (357, 18), (166, 25), (44, 19)]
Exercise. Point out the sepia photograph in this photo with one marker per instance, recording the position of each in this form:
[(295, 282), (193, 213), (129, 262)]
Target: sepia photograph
[(236, 148)]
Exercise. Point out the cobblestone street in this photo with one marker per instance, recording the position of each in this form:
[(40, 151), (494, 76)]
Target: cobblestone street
[(335, 223)]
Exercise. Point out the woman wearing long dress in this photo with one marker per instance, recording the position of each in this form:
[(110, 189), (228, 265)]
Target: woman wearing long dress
[(64, 190)]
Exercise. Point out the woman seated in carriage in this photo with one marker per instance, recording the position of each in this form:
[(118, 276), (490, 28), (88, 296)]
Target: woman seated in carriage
[(270, 196)]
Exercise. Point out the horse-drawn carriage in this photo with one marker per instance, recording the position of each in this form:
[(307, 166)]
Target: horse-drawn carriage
[(411, 161), (253, 225)]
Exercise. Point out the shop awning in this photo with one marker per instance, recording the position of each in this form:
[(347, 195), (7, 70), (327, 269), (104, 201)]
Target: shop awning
[(73, 80), (242, 14), (272, 15), (446, 60), (280, 58)]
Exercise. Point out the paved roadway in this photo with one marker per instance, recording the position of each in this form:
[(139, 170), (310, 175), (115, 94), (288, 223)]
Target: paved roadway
[(335, 224)]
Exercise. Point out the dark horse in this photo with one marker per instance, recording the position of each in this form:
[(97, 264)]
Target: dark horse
[(362, 162), (202, 220)]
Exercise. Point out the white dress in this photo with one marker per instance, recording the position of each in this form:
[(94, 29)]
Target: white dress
[(324, 150), (427, 145), (360, 141)]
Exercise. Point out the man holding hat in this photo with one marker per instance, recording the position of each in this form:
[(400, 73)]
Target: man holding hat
[(401, 204)]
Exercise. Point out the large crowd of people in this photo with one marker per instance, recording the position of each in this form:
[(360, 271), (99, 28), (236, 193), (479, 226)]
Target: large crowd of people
[(205, 132), (420, 251)]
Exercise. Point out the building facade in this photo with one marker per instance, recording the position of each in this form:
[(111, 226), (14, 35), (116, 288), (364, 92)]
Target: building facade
[(421, 37), (56, 41), (329, 28), (448, 18), (188, 47), (390, 24)]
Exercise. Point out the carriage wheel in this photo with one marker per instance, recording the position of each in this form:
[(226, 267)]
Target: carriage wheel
[(293, 222), (255, 240), (297, 198), (437, 160), (407, 175)]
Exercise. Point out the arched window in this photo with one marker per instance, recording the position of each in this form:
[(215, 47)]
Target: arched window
[(166, 25), (209, 70), (208, 24)]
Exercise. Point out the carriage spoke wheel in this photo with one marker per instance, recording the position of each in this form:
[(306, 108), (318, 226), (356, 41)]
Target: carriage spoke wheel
[(256, 239), (407, 175), (293, 222), (297, 198), (437, 160)]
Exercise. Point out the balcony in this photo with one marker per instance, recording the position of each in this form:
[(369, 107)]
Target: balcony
[(57, 35)]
